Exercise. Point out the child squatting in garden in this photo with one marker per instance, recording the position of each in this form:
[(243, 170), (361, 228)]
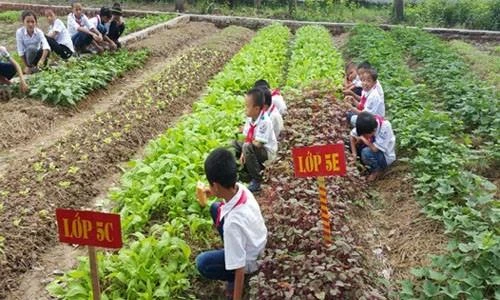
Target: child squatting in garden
[(9, 69), (238, 220), (32, 46), (370, 101), (260, 142), (373, 140)]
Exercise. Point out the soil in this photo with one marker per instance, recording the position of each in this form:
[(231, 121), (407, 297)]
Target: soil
[(27, 125), (399, 235), (63, 174)]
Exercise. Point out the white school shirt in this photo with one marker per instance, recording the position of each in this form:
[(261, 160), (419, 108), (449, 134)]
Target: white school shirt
[(374, 102), (380, 90), (62, 34), (245, 233), (277, 121), (95, 21), (24, 40), (385, 140), (280, 104), (357, 82), (73, 24), (264, 133)]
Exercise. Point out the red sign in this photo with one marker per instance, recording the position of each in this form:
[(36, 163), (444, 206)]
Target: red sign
[(89, 228), (324, 160)]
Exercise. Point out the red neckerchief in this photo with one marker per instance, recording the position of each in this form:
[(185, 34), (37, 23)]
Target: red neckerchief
[(251, 131), (276, 92), (364, 97), (270, 109), (241, 201)]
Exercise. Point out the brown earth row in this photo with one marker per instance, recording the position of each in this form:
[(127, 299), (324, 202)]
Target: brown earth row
[(62, 174)]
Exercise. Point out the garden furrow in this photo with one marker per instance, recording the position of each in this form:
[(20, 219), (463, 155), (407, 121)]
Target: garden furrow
[(26, 126), (163, 223), (62, 174)]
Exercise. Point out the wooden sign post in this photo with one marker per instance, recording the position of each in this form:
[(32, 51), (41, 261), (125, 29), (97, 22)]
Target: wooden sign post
[(321, 161), (93, 229)]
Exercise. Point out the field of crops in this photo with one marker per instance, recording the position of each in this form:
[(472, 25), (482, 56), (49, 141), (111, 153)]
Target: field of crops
[(160, 107)]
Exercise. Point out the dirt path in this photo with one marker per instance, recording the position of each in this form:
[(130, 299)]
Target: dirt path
[(30, 125)]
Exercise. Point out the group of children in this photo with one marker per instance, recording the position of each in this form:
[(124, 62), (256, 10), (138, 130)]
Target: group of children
[(238, 218), (371, 138), (82, 35)]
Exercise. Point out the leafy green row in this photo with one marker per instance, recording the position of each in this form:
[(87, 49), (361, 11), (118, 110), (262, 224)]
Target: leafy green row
[(133, 24), (470, 99), (69, 83), (463, 201), (314, 58), (160, 189)]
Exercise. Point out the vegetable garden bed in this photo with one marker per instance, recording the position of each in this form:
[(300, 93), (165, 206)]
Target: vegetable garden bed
[(62, 175)]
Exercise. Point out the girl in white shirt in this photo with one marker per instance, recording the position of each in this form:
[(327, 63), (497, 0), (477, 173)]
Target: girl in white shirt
[(58, 36), (32, 46), (83, 33)]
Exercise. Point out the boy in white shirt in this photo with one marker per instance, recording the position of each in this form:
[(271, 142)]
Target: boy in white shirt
[(370, 101), (374, 141), (272, 112), (82, 32), (58, 36), (277, 98), (99, 22), (239, 222), (260, 142)]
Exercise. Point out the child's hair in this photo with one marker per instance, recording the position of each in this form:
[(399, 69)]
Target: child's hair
[(49, 10), (105, 12), (261, 83), (349, 66), (364, 65), (116, 9), (220, 167), (372, 72), (366, 123), (268, 97), (257, 97), (73, 3), (28, 13)]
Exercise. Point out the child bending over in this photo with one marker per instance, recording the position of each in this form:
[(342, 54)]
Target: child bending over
[(100, 22), (238, 220), (373, 140), (9, 69), (370, 101), (352, 81), (117, 24), (32, 46), (260, 142)]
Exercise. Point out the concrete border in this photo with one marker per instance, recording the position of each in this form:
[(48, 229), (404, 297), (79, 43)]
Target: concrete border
[(256, 23), (142, 34), (338, 28)]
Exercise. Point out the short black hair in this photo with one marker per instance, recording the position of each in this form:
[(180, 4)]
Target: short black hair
[(105, 12), (220, 167), (257, 96), (28, 13), (268, 97), (365, 123), (261, 83), (364, 65), (372, 72)]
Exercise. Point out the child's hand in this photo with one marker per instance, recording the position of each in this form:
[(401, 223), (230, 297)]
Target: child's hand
[(242, 159), (202, 194), (23, 86)]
